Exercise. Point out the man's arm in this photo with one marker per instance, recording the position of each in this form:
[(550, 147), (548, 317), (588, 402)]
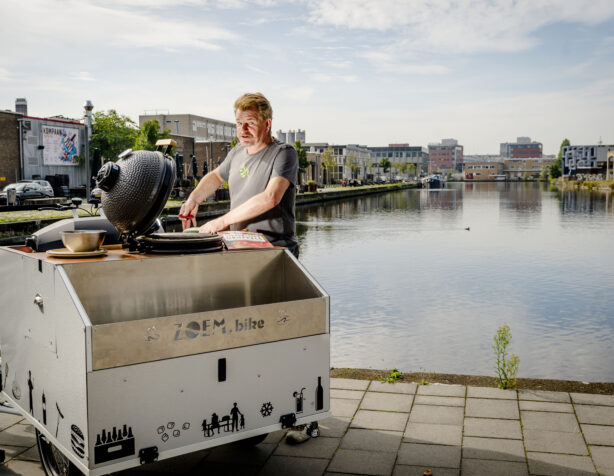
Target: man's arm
[(208, 184), (255, 206)]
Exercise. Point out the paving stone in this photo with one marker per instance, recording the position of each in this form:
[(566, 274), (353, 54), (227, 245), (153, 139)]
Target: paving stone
[(598, 434), (560, 465), (554, 442), (481, 467), (343, 408), (402, 470), (291, 466), (442, 390), (13, 451), (30, 454), (603, 456), (592, 399), (18, 435), (398, 387), (493, 428), (186, 464), (550, 421), (379, 420), (248, 455), (362, 462), (349, 384), (6, 420), (275, 437), (436, 414), (347, 394), (321, 447), (545, 406), (392, 402), (372, 440), (413, 454), (486, 392), (544, 396), (444, 401), (334, 426), (488, 408), (493, 449), (595, 414), (26, 468), (433, 434), (237, 468)]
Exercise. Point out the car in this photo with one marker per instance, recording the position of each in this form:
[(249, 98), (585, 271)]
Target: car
[(43, 183), (24, 191)]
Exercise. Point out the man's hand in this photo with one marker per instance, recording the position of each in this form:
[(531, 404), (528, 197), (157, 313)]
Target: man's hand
[(213, 226), (187, 213)]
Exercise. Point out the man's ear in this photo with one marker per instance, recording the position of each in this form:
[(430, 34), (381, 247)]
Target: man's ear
[(268, 125)]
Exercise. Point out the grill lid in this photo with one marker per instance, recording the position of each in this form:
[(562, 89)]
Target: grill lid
[(135, 189)]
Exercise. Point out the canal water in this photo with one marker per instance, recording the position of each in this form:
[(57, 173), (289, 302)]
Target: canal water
[(421, 279)]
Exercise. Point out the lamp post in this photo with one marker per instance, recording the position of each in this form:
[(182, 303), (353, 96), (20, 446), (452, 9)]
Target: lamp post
[(88, 106)]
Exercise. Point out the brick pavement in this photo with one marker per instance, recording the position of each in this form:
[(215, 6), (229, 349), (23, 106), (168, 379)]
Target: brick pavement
[(401, 429)]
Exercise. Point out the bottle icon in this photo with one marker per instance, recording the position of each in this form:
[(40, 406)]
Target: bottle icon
[(319, 395)]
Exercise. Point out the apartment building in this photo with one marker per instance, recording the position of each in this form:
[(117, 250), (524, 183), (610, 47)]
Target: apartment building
[(586, 159), (523, 148), (351, 161), (402, 153), (445, 155)]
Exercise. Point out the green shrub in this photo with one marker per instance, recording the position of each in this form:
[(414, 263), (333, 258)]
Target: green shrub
[(507, 369)]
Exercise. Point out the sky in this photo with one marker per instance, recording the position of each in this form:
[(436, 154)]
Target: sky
[(369, 72)]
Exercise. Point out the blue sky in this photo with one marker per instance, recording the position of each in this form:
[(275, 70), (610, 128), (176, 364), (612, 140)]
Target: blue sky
[(347, 71)]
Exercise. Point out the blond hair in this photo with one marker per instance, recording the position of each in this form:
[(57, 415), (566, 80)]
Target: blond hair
[(256, 102)]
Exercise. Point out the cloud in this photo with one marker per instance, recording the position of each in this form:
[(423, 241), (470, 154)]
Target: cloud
[(4, 75), (82, 76), (463, 26)]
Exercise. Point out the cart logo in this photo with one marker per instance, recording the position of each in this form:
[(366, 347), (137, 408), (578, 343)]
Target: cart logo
[(114, 444), (175, 432), (244, 171), (266, 409), (209, 327)]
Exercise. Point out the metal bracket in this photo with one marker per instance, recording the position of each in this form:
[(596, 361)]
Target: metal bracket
[(148, 455), (287, 421)]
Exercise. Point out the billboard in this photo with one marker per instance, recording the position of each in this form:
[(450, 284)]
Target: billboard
[(61, 145)]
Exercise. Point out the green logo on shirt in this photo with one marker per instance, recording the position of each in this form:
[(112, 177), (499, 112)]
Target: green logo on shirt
[(244, 171)]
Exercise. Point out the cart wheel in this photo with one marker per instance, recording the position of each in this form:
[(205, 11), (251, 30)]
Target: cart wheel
[(253, 441), (53, 461)]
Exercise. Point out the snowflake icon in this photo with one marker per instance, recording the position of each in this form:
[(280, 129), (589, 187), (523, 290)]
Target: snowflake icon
[(266, 409)]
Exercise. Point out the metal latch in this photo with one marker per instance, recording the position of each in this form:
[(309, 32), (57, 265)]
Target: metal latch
[(287, 421), (148, 455)]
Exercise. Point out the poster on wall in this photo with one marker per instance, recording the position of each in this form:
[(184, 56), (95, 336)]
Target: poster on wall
[(61, 145)]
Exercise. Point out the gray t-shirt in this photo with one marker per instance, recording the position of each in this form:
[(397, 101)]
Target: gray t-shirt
[(249, 174)]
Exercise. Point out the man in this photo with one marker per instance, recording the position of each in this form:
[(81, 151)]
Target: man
[(261, 173)]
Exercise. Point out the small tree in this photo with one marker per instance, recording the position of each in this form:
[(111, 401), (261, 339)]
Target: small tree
[(149, 134), (352, 163), (112, 133), (328, 162), (556, 169), (303, 163), (234, 142), (385, 164), (411, 169)]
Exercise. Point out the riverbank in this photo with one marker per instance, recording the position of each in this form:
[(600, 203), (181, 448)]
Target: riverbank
[(425, 378), (562, 183), (15, 226)]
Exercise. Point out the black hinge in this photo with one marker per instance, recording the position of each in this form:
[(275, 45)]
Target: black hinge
[(287, 421), (148, 455)]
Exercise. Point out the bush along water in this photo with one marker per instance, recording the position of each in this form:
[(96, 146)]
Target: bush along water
[(506, 368)]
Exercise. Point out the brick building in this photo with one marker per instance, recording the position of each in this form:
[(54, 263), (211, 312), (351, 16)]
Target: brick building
[(523, 148), (9, 148), (447, 155)]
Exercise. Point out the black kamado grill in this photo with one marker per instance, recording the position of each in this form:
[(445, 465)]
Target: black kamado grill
[(135, 190)]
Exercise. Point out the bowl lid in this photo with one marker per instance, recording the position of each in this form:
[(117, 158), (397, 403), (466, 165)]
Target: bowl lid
[(135, 189)]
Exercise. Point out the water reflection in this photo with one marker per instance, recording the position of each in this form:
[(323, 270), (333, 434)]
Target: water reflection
[(412, 288)]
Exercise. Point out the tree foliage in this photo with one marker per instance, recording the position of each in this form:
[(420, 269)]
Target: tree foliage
[(385, 164), (328, 162), (149, 133), (303, 163), (112, 133), (556, 169), (234, 142)]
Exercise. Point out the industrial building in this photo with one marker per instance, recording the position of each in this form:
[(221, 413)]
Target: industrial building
[(586, 159), (445, 155), (523, 148)]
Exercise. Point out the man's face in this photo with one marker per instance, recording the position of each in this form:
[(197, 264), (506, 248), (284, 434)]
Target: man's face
[(251, 130)]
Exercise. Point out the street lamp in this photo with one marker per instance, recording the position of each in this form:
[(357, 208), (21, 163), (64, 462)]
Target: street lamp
[(176, 121), (88, 106)]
